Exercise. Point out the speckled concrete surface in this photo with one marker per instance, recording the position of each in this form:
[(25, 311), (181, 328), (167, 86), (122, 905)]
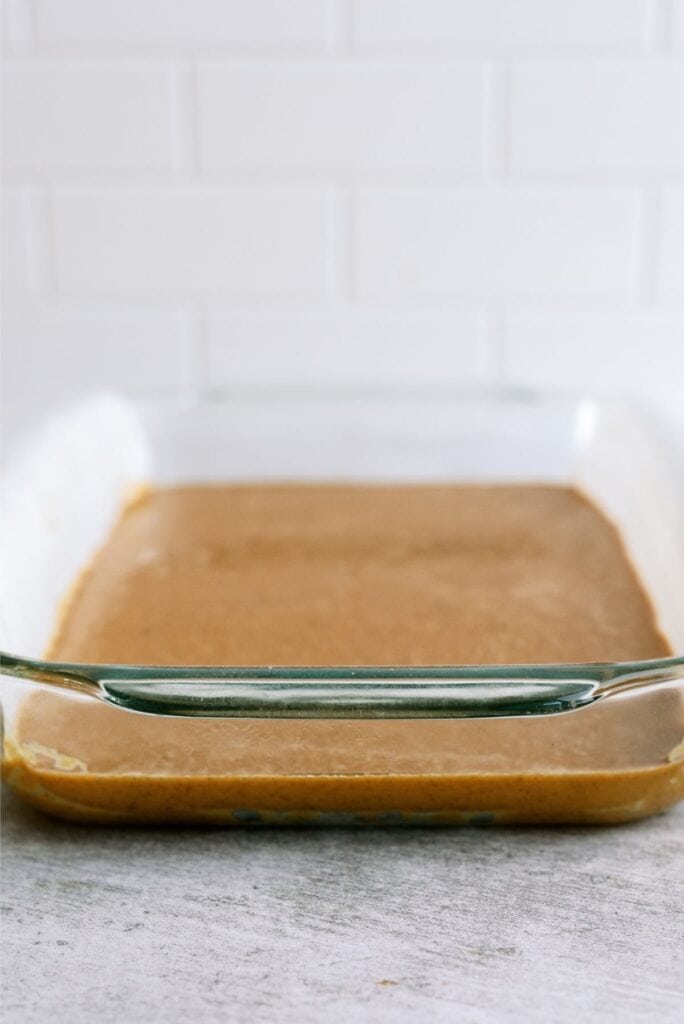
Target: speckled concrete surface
[(470, 926)]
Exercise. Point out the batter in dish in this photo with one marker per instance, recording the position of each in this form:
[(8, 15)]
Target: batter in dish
[(364, 575), (353, 575)]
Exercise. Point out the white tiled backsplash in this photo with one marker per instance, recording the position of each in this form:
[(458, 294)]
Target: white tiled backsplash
[(320, 192)]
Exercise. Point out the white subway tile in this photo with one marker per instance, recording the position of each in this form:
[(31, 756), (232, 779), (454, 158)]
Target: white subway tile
[(342, 117), (342, 348), (184, 23), (494, 241), (499, 24), (671, 257), (15, 233), (64, 354), (17, 32), (678, 23), (191, 240), (598, 115), (597, 352), (84, 116), (93, 350)]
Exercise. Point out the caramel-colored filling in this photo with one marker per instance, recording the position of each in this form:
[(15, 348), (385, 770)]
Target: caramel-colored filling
[(355, 575), (360, 576)]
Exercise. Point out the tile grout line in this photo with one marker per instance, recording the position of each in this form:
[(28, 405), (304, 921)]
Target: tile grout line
[(339, 42), (41, 243), (340, 258), (492, 348), (193, 355), (658, 27), (300, 180), (646, 245), (496, 116), (242, 302), (339, 33), (184, 121), (21, 23), (117, 303)]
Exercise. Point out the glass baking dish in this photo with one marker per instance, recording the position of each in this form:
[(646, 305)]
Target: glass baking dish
[(460, 744)]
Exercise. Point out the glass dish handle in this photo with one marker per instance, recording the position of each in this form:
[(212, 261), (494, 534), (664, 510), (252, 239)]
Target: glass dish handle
[(323, 693)]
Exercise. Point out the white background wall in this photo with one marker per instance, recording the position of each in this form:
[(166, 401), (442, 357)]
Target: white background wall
[(239, 192)]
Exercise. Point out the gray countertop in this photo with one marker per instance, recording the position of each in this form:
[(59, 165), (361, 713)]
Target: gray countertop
[(467, 925)]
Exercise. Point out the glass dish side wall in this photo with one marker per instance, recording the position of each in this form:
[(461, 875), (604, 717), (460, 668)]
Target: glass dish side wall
[(617, 760), (64, 493)]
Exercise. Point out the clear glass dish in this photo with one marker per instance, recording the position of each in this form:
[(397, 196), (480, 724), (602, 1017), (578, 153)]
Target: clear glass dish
[(453, 744)]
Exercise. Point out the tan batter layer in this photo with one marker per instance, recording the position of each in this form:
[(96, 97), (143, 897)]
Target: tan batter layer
[(323, 575), (360, 576)]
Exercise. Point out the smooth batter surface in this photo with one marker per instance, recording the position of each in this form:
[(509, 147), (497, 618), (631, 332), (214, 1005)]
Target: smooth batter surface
[(325, 575), (360, 576)]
